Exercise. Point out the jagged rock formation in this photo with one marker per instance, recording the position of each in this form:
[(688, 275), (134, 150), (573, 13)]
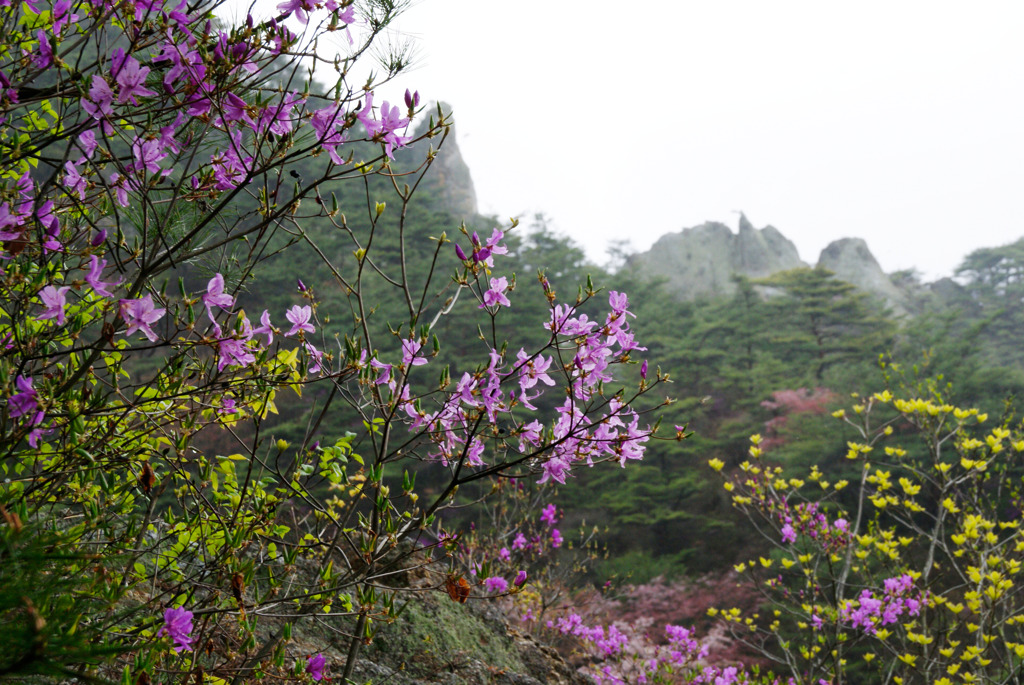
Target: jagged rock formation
[(449, 182), (701, 261), (851, 261)]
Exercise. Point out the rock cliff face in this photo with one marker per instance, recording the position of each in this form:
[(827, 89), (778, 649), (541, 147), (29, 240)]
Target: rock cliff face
[(448, 182), (851, 260), (700, 261)]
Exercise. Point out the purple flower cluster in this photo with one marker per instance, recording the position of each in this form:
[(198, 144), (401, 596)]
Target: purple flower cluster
[(683, 646), (384, 129), (239, 348), (483, 252), (496, 585), (616, 645), (575, 436), (549, 515), (808, 519), (608, 641), (194, 61), (871, 611)]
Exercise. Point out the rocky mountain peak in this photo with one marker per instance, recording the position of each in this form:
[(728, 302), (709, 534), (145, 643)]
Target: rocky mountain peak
[(701, 261), (851, 261), (449, 180)]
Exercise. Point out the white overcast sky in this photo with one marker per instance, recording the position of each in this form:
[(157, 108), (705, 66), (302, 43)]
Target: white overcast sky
[(898, 122)]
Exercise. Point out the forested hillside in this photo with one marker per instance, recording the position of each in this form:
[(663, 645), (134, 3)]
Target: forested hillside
[(774, 355)]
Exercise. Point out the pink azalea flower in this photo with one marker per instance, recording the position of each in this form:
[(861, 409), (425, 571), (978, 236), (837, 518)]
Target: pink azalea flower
[(45, 57), (301, 8), (384, 375), (62, 15), (9, 219), (148, 153), (315, 666), (409, 350), (236, 109), (496, 584), (619, 303), (118, 183), (130, 77), (299, 316), (93, 278), (178, 626), (73, 180), (100, 98), (549, 515), (316, 358), (216, 297), (391, 121), (25, 400), (87, 142), (37, 431), (496, 294), (140, 314), (54, 300), (234, 351), (555, 468), (265, 327), (533, 371), (365, 115), (325, 122)]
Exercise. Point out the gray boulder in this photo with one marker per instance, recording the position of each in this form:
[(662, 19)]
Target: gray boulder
[(851, 261)]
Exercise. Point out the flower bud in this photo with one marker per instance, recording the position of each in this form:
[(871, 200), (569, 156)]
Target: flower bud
[(459, 253), (302, 286), (411, 99), (98, 239)]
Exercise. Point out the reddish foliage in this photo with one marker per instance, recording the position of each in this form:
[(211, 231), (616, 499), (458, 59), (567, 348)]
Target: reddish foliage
[(787, 403)]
